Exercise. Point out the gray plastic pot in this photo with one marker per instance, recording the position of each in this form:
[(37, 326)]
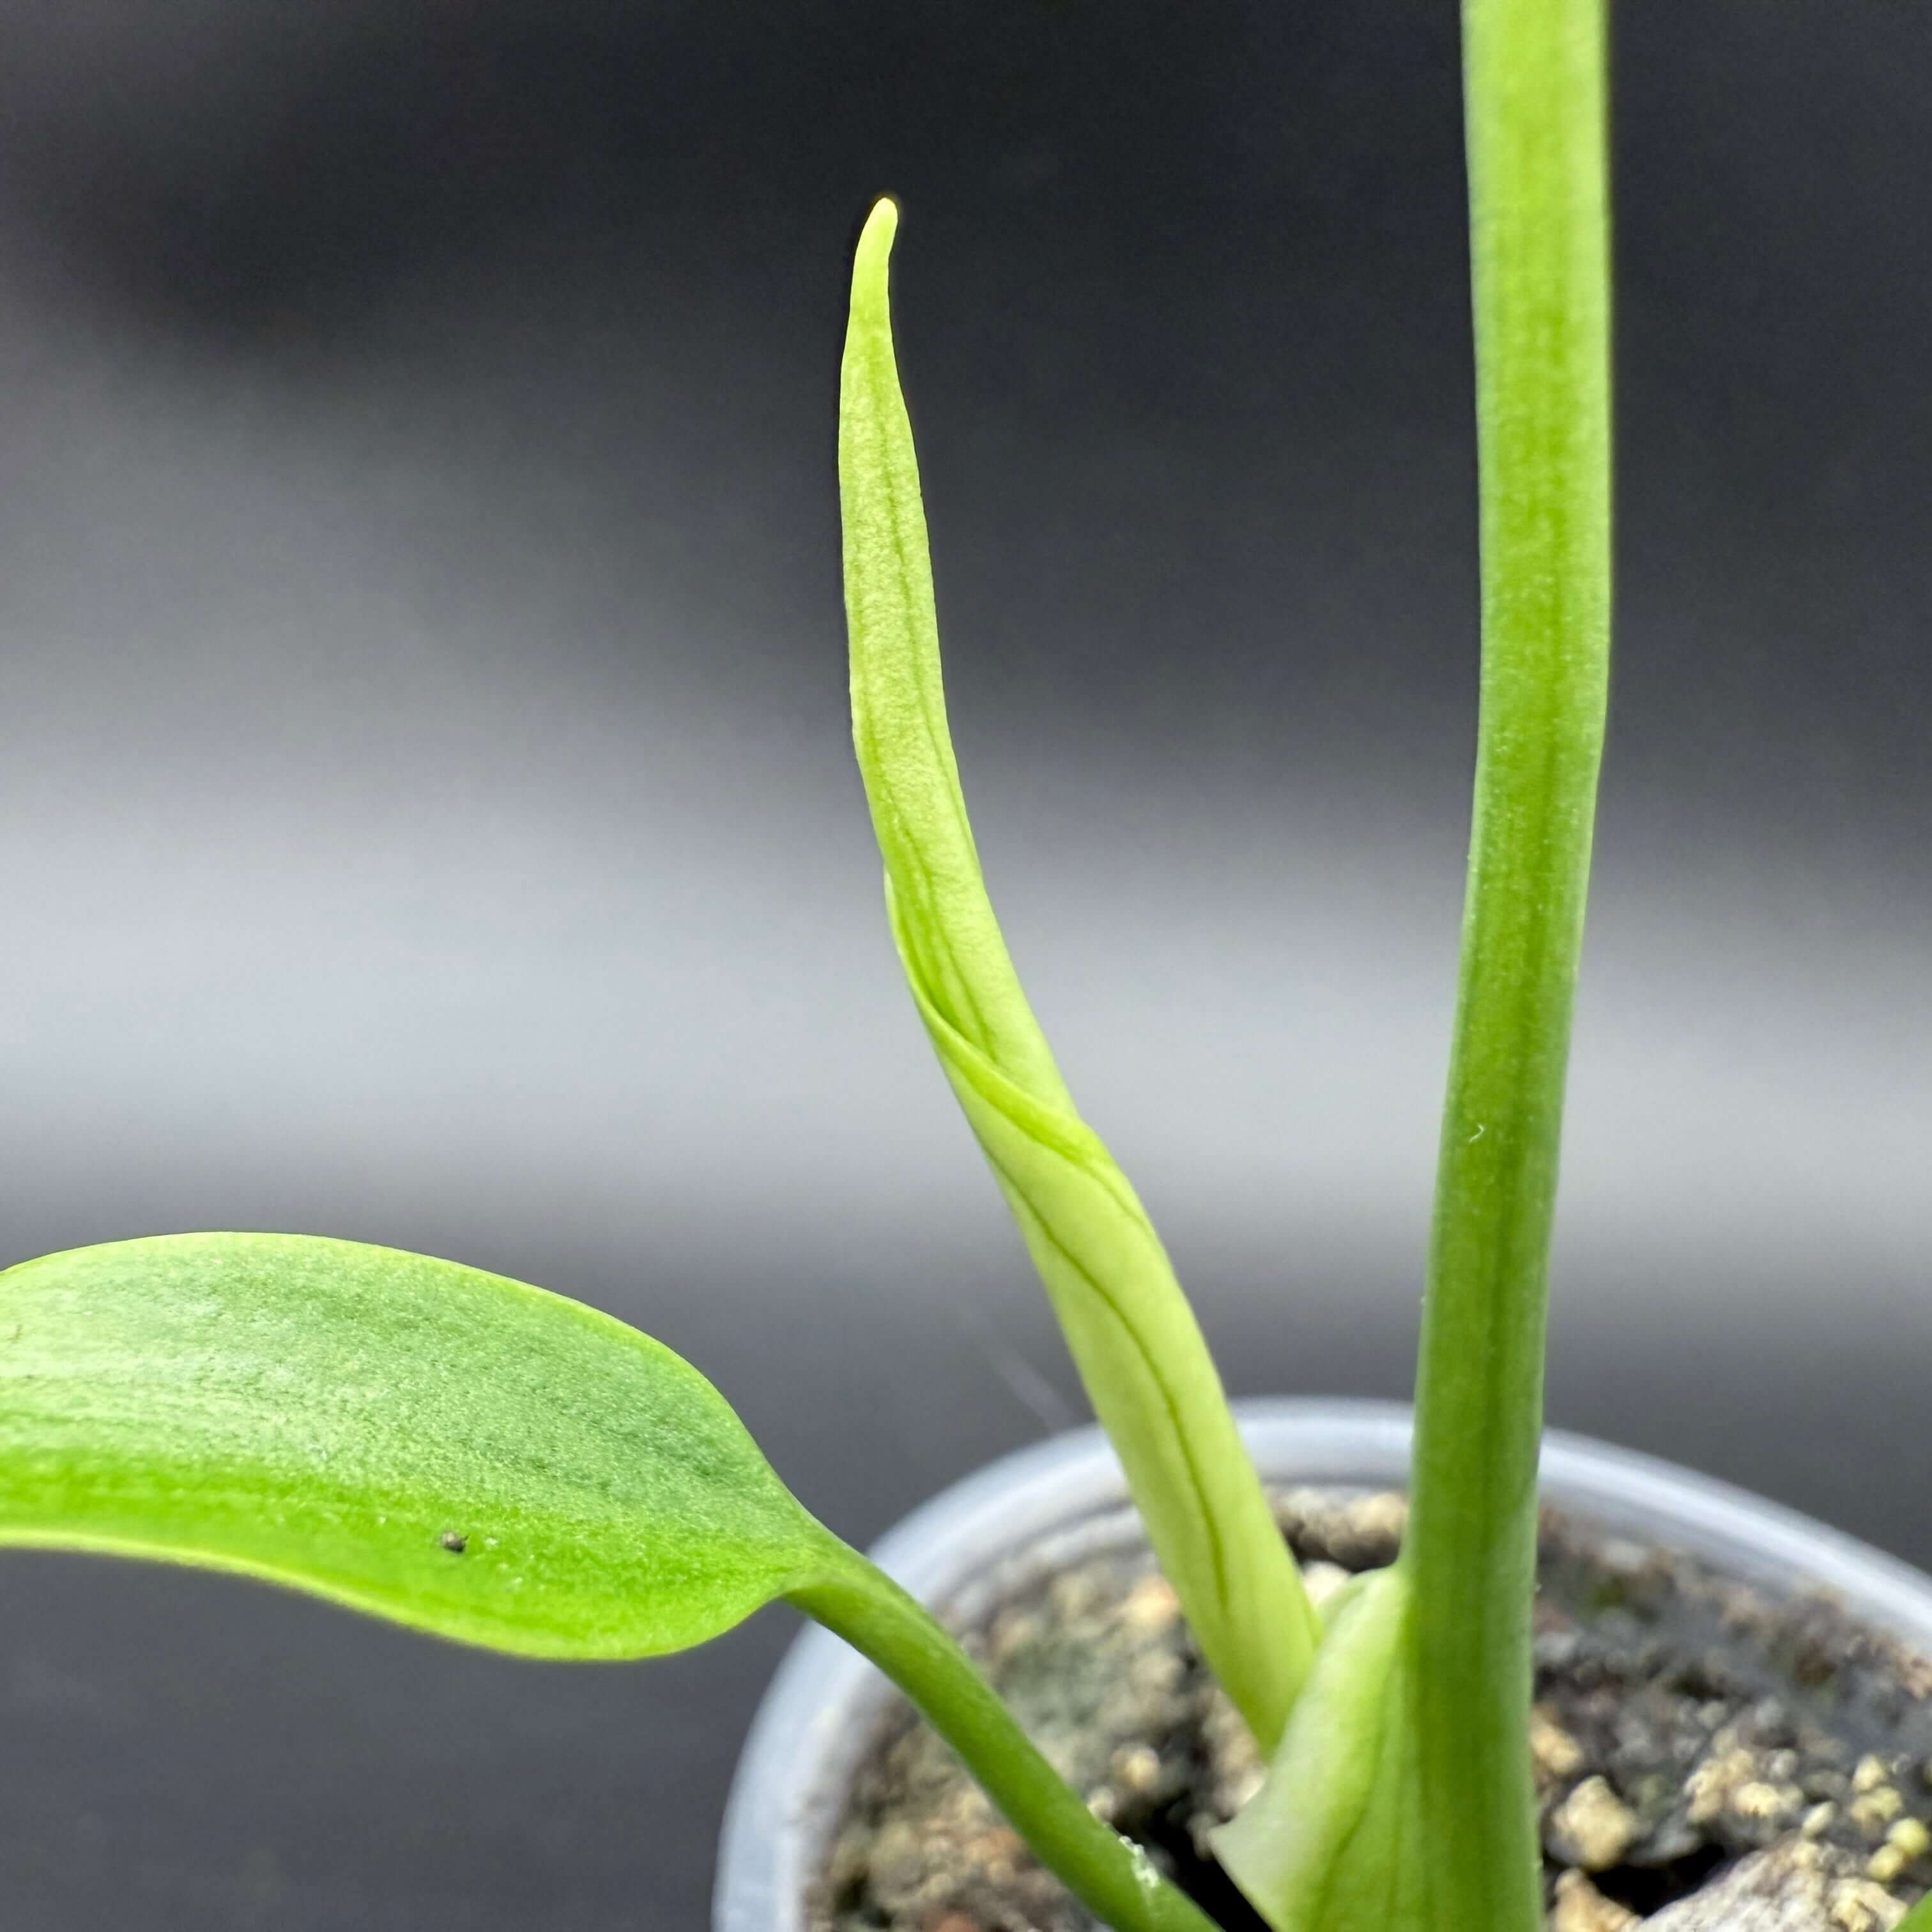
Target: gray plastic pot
[(1043, 1507)]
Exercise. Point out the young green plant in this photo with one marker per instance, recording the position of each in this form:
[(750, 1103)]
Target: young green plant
[(490, 1463)]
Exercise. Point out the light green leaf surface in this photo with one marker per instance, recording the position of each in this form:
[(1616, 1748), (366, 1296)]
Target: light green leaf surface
[(1329, 1842), (1134, 1339), (326, 1415), (463, 1454)]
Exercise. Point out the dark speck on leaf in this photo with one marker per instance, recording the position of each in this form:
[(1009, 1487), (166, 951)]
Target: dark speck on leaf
[(456, 1545)]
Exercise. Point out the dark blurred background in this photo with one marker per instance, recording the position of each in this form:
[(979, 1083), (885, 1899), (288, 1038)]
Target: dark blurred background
[(426, 814)]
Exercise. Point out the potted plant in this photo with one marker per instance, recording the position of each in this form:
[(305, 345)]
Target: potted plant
[(493, 1464), (833, 1772)]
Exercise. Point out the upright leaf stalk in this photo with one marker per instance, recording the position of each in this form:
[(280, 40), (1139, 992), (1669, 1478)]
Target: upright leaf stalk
[(1534, 73), (1110, 1876)]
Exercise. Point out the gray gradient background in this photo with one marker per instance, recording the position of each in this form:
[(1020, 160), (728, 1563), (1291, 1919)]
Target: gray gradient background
[(426, 813)]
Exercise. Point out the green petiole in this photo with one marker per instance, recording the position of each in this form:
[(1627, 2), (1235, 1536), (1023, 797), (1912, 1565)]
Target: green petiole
[(1112, 1878), (1401, 1796), (1540, 249)]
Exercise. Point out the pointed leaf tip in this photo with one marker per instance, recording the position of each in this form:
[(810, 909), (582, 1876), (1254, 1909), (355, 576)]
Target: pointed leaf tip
[(871, 263)]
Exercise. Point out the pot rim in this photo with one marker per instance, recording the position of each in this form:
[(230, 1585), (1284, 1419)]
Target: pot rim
[(815, 1722)]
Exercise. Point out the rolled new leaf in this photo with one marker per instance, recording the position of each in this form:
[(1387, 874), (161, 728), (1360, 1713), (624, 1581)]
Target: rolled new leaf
[(468, 1455), (1132, 1335)]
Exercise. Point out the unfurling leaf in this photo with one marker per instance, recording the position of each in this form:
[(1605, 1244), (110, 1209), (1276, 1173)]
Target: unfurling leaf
[(437, 1445), (1131, 1334)]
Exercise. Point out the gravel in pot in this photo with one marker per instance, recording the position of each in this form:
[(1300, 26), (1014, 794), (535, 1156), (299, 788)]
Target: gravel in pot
[(1708, 1758)]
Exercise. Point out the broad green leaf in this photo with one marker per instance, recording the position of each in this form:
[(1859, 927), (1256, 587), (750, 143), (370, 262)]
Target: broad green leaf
[(1132, 1335), (437, 1445), (1333, 1841), (467, 1455)]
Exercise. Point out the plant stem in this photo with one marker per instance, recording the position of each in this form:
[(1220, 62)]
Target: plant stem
[(1534, 73), (1112, 1878)]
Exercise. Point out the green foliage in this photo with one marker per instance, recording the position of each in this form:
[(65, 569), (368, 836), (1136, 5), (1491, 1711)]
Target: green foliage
[(489, 1462), (465, 1455), (1137, 1346), (439, 1446), (1331, 1842)]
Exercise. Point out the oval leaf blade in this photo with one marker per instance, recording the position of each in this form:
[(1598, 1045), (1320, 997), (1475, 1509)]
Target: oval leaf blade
[(435, 1445)]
